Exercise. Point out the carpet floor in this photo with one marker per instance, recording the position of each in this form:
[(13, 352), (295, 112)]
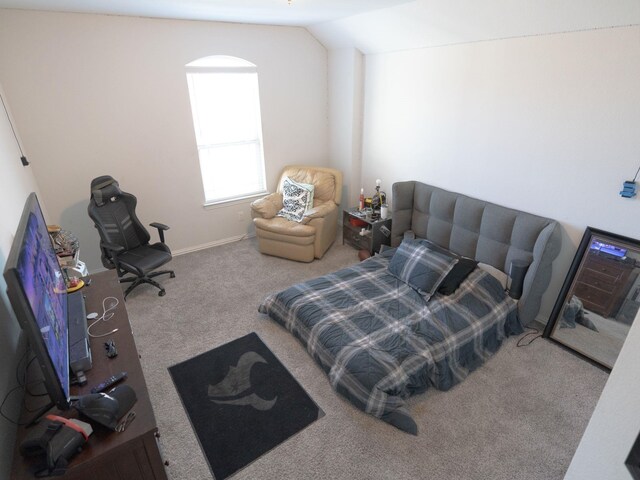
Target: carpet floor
[(520, 416)]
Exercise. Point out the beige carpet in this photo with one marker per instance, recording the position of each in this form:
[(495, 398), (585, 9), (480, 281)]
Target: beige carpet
[(520, 416)]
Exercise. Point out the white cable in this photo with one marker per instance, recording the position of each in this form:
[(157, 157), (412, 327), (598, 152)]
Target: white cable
[(107, 314)]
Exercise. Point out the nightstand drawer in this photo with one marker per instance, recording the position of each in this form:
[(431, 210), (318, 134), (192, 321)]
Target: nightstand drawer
[(356, 240)]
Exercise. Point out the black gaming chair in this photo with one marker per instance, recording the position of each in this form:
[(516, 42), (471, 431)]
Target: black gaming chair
[(123, 239)]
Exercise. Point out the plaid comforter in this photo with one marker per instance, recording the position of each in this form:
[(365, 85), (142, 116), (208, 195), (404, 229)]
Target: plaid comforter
[(380, 342)]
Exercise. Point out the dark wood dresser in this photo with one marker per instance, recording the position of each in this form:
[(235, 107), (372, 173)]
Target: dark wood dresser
[(134, 453), (602, 284)]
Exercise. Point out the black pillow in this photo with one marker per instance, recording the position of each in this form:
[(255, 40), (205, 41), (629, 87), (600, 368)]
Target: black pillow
[(456, 276), (460, 271)]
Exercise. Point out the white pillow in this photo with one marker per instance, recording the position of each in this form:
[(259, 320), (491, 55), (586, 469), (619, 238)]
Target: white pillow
[(294, 200), (499, 274), (309, 188)]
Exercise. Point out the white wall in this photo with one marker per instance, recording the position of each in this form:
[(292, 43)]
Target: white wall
[(546, 124), (97, 94), (615, 423), (346, 90), (16, 182), (429, 23)]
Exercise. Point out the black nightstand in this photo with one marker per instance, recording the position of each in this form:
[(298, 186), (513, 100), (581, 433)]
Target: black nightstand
[(378, 232)]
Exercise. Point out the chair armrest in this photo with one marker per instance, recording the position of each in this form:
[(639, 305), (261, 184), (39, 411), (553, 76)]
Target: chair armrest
[(319, 211), (161, 229), (267, 207), (159, 226)]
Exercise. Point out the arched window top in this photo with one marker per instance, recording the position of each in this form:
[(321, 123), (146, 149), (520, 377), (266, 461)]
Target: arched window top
[(221, 62)]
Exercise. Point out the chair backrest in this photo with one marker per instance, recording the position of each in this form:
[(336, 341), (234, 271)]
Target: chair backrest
[(114, 215), (327, 181)]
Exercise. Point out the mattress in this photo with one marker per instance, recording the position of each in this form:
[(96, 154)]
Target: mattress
[(380, 341)]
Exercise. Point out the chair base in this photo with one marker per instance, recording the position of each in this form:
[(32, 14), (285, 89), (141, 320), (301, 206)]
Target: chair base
[(135, 281)]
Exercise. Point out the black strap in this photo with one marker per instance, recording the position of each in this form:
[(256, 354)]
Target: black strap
[(50, 432)]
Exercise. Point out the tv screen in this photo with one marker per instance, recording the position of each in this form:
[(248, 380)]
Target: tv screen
[(38, 295)]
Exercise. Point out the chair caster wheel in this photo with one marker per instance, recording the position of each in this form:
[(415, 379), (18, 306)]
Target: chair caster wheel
[(172, 275), (161, 293)]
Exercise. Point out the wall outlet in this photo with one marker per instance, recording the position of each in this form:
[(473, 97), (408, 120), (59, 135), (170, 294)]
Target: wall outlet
[(241, 216)]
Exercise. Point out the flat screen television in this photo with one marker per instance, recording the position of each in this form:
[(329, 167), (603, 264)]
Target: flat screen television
[(37, 291)]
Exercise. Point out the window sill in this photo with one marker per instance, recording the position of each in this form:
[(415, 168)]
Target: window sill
[(233, 201)]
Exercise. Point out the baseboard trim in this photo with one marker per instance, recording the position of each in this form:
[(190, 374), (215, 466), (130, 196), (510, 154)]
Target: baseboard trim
[(215, 243)]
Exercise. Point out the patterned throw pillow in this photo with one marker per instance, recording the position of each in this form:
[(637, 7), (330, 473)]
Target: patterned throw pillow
[(420, 267), (308, 187), (294, 200)]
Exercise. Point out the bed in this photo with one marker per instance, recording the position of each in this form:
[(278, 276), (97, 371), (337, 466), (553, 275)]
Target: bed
[(387, 328)]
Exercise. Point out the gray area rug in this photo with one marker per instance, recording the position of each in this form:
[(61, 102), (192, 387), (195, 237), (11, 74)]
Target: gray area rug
[(520, 416)]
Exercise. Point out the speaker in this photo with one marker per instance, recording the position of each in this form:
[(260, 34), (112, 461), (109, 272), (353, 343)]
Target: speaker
[(517, 271)]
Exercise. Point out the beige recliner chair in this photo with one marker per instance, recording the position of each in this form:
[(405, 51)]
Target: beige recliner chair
[(313, 236)]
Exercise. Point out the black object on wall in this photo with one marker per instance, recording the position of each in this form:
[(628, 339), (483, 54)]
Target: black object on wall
[(23, 159)]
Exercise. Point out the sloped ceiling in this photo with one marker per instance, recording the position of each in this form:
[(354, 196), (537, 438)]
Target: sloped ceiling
[(374, 26), (299, 13), (430, 23)]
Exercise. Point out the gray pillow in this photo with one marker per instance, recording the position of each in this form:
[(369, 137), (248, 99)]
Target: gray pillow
[(420, 267)]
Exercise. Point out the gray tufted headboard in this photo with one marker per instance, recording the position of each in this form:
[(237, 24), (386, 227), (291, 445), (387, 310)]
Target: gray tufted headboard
[(485, 231)]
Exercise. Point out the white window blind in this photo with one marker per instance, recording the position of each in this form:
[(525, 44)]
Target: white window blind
[(225, 103)]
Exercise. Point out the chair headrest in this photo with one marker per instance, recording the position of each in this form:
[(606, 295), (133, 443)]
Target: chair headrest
[(103, 188)]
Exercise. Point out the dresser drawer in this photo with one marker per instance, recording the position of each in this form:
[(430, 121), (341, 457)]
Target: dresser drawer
[(593, 298), (607, 267), (599, 280)]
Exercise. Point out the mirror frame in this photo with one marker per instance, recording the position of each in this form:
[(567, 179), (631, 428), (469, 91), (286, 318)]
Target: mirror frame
[(570, 280)]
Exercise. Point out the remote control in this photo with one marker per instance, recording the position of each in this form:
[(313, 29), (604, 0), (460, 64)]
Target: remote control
[(109, 382)]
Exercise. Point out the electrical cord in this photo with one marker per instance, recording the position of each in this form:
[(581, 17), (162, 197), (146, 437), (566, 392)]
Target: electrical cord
[(24, 160), (107, 314), (21, 380), (534, 331), (6, 397)]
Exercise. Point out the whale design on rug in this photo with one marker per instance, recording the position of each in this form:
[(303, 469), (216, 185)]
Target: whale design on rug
[(235, 388)]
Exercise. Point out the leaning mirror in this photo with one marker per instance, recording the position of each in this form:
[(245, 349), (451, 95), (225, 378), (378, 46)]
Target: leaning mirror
[(599, 298)]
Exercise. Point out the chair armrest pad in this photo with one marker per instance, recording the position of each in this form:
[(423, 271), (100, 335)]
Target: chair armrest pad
[(159, 226), (112, 247), (267, 207), (319, 211)]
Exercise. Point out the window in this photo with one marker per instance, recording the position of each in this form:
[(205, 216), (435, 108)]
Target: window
[(225, 104)]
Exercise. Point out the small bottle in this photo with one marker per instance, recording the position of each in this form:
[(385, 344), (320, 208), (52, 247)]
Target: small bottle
[(379, 198), (361, 202)]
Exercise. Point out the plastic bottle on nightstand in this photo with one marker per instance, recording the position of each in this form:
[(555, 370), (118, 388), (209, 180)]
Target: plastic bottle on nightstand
[(361, 202)]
